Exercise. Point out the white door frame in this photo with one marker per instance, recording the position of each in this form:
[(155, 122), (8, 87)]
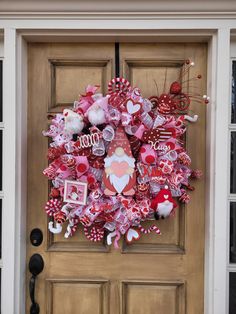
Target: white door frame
[(16, 32)]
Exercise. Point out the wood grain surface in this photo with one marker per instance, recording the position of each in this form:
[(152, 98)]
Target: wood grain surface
[(159, 274)]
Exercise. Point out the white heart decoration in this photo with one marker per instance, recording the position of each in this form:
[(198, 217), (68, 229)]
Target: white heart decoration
[(132, 108), (131, 235)]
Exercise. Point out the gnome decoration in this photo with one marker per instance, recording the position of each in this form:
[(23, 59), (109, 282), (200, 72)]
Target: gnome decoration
[(74, 123), (119, 174), (96, 114), (163, 203)]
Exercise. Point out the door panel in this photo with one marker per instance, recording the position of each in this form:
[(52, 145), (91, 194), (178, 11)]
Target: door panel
[(70, 76), (153, 67), (77, 292), (157, 274), (153, 297)]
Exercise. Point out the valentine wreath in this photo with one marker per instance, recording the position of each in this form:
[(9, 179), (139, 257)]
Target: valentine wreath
[(119, 159)]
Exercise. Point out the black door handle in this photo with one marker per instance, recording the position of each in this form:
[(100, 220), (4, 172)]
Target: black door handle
[(36, 265)]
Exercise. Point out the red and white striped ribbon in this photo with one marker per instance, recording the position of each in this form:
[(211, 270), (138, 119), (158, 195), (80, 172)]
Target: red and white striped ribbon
[(153, 228), (164, 135)]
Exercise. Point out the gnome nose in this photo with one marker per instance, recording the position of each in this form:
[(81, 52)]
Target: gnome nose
[(119, 151)]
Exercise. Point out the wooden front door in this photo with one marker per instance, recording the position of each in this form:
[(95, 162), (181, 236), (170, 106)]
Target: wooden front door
[(157, 274)]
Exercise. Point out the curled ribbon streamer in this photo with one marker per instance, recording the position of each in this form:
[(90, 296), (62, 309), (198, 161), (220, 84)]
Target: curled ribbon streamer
[(99, 148), (131, 129), (108, 133), (117, 238), (111, 235), (147, 120)]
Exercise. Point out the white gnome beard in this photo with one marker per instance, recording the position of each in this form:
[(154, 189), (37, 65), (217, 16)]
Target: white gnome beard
[(96, 116), (119, 183), (165, 208)]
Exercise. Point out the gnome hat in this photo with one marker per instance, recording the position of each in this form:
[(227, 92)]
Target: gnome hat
[(73, 189), (164, 195), (120, 141)]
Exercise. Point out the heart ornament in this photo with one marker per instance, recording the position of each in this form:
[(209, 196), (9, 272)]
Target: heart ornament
[(132, 107), (132, 235)]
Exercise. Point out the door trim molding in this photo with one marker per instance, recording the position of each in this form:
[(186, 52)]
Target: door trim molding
[(218, 76), (181, 8), (189, 15)]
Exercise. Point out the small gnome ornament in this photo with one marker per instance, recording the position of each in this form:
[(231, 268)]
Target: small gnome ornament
[(163, 204), (74, 123), (74, 194), (119, 174), (96, 114)]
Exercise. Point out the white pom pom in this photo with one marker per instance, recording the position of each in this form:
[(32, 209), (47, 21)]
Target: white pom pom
[(96, 115)]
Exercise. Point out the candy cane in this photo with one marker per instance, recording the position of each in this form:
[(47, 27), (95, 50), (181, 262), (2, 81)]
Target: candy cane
[(191, 119), (56, 229), (94, 234), (120, 84), (150, 229), (71, 228)]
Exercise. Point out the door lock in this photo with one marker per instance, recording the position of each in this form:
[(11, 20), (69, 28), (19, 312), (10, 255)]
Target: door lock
[(36, 237)]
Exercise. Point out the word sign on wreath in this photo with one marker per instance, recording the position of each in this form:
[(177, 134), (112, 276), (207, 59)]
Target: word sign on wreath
[(118, 160)]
